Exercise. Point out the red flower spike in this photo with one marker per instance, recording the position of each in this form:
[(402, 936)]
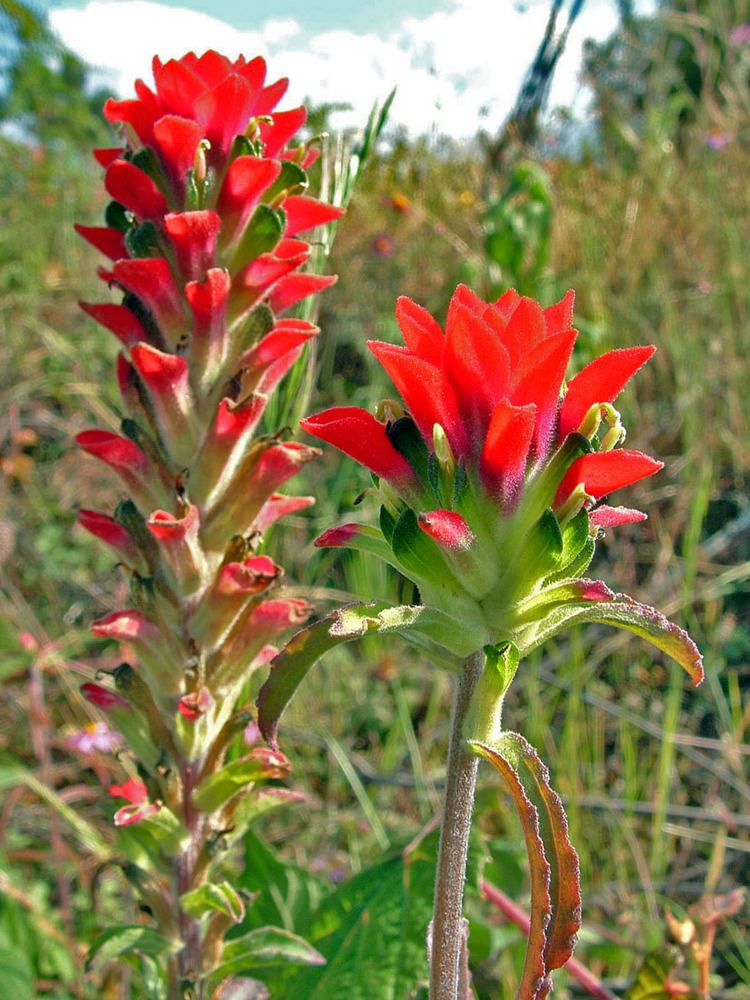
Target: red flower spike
[(102, 697), (604, 472), (506, 446), (612, 517), (135, 190), (601, 381), (358, 434), (176, 140), (303, 213), (109, 531), (108, 241), (246, 180), (421, 333), (118, 319), (296, 287), (150, 279), (278, 506), (427, 392), (276, 135), (447, 528), (194, 236)]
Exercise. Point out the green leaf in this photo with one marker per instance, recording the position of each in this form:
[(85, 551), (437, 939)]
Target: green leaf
[(220, 897), (16, 975), (215, 790), (263, 947), (291, 178), (577, 543), (561, 595), (125, 939), (285, 894), (372, 931), (625, 613), (653, 979), (291, 665), (553, 862)]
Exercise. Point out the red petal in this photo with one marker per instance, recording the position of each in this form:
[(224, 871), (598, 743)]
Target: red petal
[(421, 332), (525, 328), (464, 298), (171, 530), (336, 538), (358, 434), (193, 236), (134, 113), (108, 241), (507, 444), (277, 343), (135, 190), (102, 697), (278, 506), (246, 180), (213, 68), (105, 528), (178, 88), (507, 303), (613, 517), (268, 268), (303, 213), (119, 319), (559, 317), (280, 615), (128, 625), (117, 451), (428, 394), (150, 279), (133, 790), (292, 289), (601, 381), (285, 123), (225, 112), (163, 374), (106, 156), (606, 471), (447, 528), (475, 361), (270, 96), (177, 140), (538, 380), (254, 72)]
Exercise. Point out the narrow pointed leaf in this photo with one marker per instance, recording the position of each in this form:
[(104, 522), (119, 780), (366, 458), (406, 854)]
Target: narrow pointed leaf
[(266, 946)]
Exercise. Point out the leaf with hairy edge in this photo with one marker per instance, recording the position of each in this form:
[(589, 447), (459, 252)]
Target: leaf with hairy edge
[(125, 939), (623, 612), (264, 947), (291, 665), (555, 886)]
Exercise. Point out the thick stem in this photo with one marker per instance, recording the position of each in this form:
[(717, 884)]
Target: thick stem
[(447, 925)]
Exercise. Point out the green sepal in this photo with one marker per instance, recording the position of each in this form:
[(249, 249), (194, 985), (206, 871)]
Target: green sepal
[(264, 947), (292, 179), (625, 613), (420, 555), (258, 322), (387, 523), (343, 625), (242, 146), (143, 240), (406, 439), (561, 594), (116, 216), (214, 897), (577, 565), (262, 233), (127, 938), (218, 788), (146, 160)]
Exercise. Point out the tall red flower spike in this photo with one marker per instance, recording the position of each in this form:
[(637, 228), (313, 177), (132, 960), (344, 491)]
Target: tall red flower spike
[(205, 238)]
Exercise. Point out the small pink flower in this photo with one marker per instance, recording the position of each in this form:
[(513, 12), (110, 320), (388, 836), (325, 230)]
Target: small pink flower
[(251, 734), (740, 35), (717, 140), (95, 736)]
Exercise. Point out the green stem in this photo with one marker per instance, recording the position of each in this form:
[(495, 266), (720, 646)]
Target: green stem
[(447, 922)]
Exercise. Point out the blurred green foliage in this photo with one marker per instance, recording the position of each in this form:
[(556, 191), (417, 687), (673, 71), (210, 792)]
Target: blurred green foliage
[(649, 221)]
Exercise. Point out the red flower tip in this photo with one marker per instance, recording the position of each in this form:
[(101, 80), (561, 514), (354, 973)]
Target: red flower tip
[(135, 190), (612, 517), (161, 372), (118, 319), (278, 506), (106, 156), (105, 528), (594, 590), (194, 236), (108, 241), (604, 472), (119, 452), (303, 213), (295, 287), (282, 614), (102, 697), (126, 626), (133, 791), (195, 704), (171, 530), (447, 528), (334, 538), (358, 434), (252, 576)]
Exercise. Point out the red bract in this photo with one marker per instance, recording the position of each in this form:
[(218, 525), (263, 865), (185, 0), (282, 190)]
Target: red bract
[(494, 383)]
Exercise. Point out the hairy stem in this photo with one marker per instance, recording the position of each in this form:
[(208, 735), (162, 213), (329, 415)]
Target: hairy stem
[(447, 924)]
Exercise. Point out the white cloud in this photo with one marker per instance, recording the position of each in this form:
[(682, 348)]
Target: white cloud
[(448, 66)]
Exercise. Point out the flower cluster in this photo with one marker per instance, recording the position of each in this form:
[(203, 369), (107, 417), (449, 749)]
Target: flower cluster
[(492, 472), (203, 232)]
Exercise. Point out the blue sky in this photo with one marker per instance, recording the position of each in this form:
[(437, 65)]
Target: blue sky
[(449, 59)]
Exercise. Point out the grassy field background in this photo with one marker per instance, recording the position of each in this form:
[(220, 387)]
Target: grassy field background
[(651, 226)]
